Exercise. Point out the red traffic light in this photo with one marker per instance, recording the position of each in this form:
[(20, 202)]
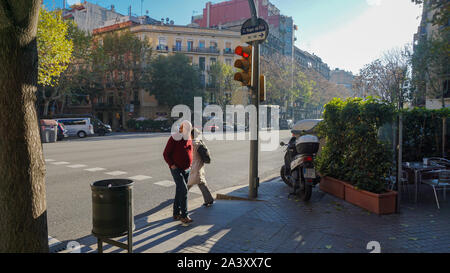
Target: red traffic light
[(244, 52)]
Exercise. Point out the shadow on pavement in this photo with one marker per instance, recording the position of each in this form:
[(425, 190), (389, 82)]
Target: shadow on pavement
[(280, 224)]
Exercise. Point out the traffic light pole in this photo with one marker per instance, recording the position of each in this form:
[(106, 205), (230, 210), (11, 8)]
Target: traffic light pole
[(254, 142)]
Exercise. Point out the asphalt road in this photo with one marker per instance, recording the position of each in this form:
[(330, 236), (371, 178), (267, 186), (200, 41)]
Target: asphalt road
[(72, 165)]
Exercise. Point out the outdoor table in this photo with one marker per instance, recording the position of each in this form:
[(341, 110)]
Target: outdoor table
[(419, 167)]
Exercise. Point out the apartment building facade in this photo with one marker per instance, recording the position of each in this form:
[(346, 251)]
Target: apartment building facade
[(202, 46), (428, 30), (342, 77), (233, 13)]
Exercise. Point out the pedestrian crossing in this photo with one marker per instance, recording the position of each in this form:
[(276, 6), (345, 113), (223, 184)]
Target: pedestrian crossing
[(140, 177)]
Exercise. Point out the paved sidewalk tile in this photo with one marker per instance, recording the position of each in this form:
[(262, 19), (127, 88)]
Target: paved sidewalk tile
[(282, 224)]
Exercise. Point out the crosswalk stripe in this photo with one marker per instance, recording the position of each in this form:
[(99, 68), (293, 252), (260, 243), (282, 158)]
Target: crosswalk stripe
[(140, 177), (116, 173), (61, 163), (50, 160), (95, 169), (165, 183), (76, 166)]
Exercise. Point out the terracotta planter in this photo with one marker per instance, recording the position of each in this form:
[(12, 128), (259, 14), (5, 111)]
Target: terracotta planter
[(384, 203), (332, 186)]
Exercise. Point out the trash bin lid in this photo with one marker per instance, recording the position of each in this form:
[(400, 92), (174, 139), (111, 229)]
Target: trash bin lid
[(112, 183)]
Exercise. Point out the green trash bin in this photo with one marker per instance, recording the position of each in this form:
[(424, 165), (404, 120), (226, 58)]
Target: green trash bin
[(112, 208)]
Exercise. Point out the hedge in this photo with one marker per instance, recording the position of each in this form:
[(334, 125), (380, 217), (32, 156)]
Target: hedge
[(355, 152), (148, 125)]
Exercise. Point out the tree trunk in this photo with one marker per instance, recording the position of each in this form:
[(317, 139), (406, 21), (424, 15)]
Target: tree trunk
[(46, 104), (23, 214), (63, 104)]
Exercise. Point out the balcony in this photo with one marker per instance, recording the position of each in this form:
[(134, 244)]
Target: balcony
[(162, 48), (201, 50), (228, 51)]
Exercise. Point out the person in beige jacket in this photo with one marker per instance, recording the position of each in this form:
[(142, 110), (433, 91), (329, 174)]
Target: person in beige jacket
[(197, 174)]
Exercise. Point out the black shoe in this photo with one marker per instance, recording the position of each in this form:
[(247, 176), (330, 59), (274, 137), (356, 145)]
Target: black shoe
[(208, 204), (176, 217)]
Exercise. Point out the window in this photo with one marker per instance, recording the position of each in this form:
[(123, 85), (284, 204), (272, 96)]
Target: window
[(201, 44), (178, 45), (228, 61), (190, 45), (212, 61), (212, 44), (228, 45), (162, 43), (201, 63)]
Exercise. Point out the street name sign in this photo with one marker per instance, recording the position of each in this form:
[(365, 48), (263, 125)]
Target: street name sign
[(251, 33)]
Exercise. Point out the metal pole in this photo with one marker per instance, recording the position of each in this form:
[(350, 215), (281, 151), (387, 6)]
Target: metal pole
[(444, 137), (400, 169), (254, 147)]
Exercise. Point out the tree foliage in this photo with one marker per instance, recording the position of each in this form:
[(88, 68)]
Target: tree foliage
[(119, 62), (222, 83), (173, 80), (54, 47), (386, 77)]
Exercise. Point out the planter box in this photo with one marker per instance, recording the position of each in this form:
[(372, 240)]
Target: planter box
[(332, 186), (384, 203)]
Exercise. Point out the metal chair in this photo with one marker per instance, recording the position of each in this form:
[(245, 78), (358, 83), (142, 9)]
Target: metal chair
[(440, 183), (392, 181), (439, 161)]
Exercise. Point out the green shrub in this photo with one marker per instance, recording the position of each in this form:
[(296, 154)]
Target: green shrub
[(422, 133), (353, 152), (131, 124)]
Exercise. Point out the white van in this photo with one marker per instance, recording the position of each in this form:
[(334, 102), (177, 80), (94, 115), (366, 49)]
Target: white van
[(80, 127)]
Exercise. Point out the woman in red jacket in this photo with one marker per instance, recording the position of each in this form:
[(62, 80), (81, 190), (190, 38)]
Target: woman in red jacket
[(178, 155)]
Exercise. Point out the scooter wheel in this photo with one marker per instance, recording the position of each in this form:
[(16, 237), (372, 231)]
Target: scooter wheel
[(284, 178), (305, 193)]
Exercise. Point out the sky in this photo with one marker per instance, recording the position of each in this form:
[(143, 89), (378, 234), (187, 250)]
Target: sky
[(345, 34)]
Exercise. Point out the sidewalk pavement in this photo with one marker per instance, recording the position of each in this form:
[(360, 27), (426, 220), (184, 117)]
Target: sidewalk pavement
[(278, 224)]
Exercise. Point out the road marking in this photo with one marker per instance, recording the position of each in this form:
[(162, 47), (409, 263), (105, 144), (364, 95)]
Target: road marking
[(50, 160), (116, 173), (140, 177), (165, 183), (77, 166), (53, 241), (61, 163), (95, 169)]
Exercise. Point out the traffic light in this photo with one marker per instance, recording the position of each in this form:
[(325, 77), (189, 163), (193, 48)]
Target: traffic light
[(245, 63)]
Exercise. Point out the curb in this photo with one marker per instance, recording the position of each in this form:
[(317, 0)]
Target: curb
[(225, 196)]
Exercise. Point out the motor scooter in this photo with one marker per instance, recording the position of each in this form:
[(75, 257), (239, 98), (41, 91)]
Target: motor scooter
[(298, 171)]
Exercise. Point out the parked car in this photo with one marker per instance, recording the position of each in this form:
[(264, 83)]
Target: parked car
[(100, 128), (62, 131), (80, 127), (286, 124)]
